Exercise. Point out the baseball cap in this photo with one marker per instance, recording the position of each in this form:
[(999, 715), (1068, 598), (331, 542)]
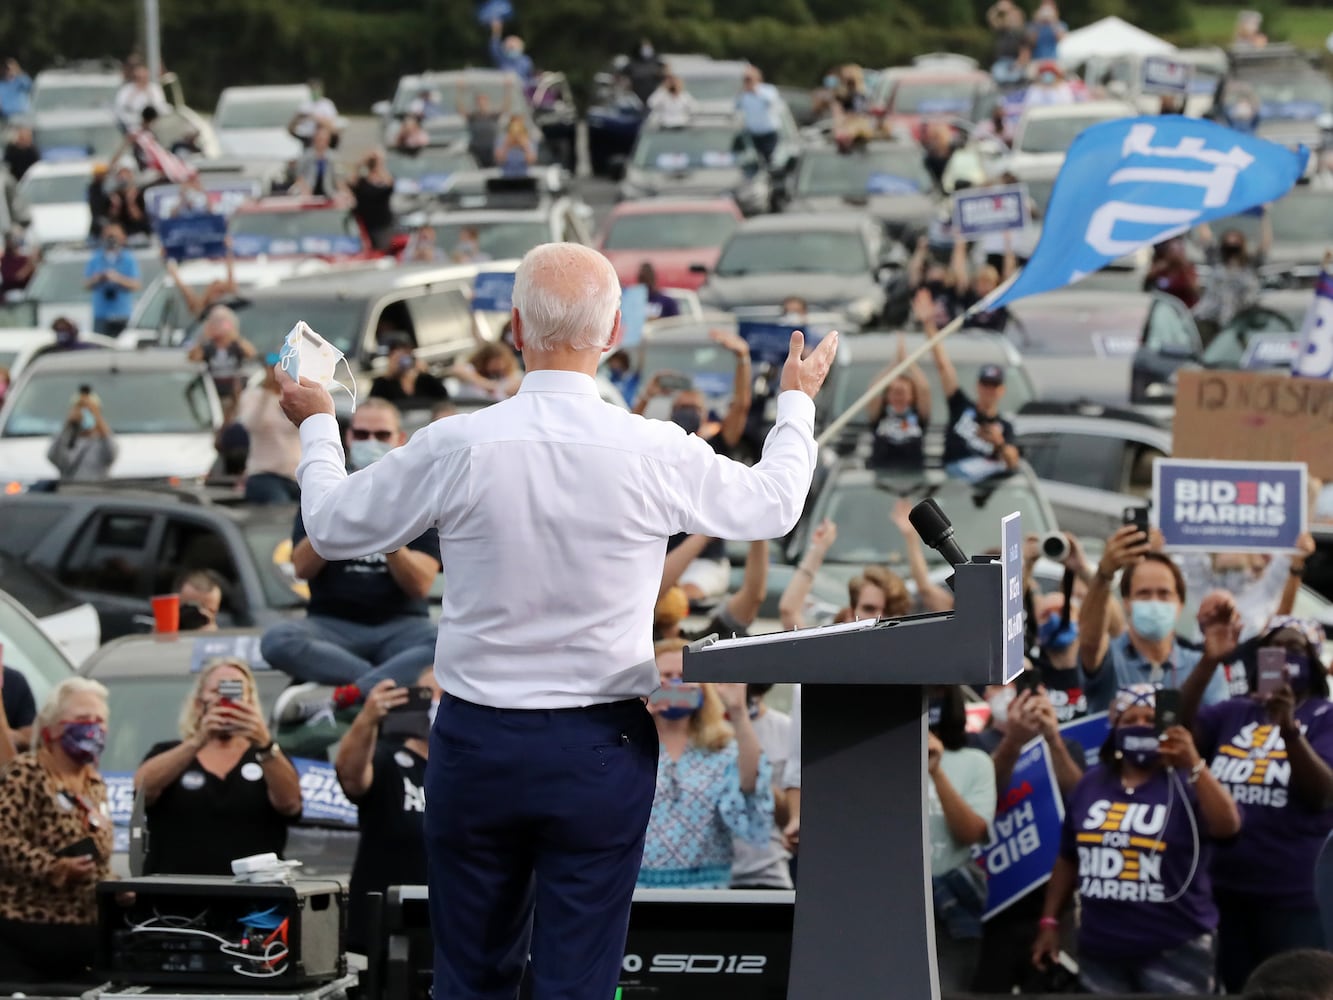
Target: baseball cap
[(991, 375)]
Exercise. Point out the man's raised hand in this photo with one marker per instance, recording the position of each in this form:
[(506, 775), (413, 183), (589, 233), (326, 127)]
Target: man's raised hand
[(808, 375)]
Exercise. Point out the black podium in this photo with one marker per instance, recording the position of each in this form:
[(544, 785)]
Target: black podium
[(864, 923)]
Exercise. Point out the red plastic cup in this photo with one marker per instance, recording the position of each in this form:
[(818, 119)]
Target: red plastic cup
[(167, 613)]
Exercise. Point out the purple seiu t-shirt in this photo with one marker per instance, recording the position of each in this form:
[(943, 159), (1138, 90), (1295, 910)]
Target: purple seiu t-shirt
[(1279, 842), (1134, 853)]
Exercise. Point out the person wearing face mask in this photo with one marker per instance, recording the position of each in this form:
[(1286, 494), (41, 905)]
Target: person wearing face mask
[(1233, 276), (385, 778), (1137, 838), (1273, 751), (274, 446), (688, 409), (671, 105), (713, 781), (1045, 32), (112, 275), (960, 804), (84, 449), (55, 840), (1153, 590), (405, 382), (899, 418), (200, 592), (1261, 585), (224, 790), (508, 53), (1049, 86), (368, 618)]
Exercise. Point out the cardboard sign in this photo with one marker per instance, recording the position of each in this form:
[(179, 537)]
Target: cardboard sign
[(201, 236), (493, 291), (1229, 506), (990, 210), (1256, 417), (1025, 837), (1011, 549), (1164, 75), (770, 342), (322, 798)]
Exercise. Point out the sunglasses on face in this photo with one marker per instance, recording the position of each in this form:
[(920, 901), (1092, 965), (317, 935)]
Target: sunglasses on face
[(363, 435)]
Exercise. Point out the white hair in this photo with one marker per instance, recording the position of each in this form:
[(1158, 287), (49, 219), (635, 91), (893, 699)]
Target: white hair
[(566, 296), (222, 314), (59, 698)]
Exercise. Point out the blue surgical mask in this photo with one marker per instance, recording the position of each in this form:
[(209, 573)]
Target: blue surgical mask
[(87, 421), (1138, 745), (681, 701), (363, 454), (1053, 638), (1153, 620), (830, 82)]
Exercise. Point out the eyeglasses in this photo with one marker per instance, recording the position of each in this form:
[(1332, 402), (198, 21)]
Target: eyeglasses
[(358, 434)]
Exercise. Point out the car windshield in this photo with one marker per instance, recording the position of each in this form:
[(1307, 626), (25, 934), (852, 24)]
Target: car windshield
[(1306, 218), (265, 322), (1299, 96), (711, 87), (499, 240), (852, 380), (808, 251), (269, 540), (1099, 326), (52, 96), (428, 162), (1227, 349), (142, 711), (29, 651), (54, 189), (670, 230), (251, 112), (935, 97), (1056, 135), (879, 171), (308, 223), (7, 359), (98, 141), (682, 149), (444, 92), (58, 279), (133, 402), (862, 509), (710, 365)]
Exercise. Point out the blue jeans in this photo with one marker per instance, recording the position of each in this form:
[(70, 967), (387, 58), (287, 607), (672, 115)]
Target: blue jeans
[(535, 823), (334, 651), (269, 487), (1186, 969)]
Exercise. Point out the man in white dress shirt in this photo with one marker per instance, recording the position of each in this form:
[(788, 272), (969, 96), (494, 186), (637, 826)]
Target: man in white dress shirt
[(553, 510)]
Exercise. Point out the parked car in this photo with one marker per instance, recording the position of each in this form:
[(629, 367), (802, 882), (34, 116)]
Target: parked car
[(673, 236), (1264, 336), (71, 623), (833, 261), (19, 348), (1045, 132), (440, 118), (1092, 461), (163, 409), (78, 87), (116, 547), (52, 199), (30, 650), (1295, 99), (1301, 221), (887, 180), (56, 288), (941, 88), (251, 122), (710, 160), (297, 226)]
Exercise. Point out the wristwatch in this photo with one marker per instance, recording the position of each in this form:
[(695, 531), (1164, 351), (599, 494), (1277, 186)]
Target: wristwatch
[(267, 752)]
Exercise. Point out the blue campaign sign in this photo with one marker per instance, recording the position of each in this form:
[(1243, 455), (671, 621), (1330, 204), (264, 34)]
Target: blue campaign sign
[(1025, 837), (1011, 550), (198, 236), (224, 196), (770, 342), (633, 314), (120, 796), (1269, 351), (322, 798), (1164, 75), (255, 244), (245, 648), (1316, 351), (493, 291), (891, 184), (715, 385), (990, 210), (1134, 182), (1090, 733), (494, 10), (1229, 506)]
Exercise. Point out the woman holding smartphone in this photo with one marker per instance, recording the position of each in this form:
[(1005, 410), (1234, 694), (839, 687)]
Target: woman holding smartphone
[(55, 840), (1272, 750), (222, 791), (1136, 848)]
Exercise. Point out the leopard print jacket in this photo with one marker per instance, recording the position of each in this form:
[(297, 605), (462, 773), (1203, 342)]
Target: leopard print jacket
[(36, 820)]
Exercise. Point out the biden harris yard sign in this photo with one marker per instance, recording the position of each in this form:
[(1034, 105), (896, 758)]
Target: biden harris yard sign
[(1229, 506), (1134, 182)]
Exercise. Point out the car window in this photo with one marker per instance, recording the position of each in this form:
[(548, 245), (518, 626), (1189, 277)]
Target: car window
[(54, 189), (499, 240), (133, 402), (31, 652), (670, 230), (110, 556), (95, 140), (1039, 451), (1168, 330), (798, 251), (188, 545), (1091, 460), (269, 540), (1138, 477), (895, 170), (257, 112), (1057, 134), (441, 318), (265, 322), (24, 525), (142, 711)]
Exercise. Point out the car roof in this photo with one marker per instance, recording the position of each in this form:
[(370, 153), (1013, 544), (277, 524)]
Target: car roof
[(708, 67), (1082, 109), (28, 338), (73, 116), (76, 77), (877, 145), (157, 495), (814, 222), (1099, 299), (274, 91), (147, 360), (669, 206), (434, 76), (375, 281), (60, 168)]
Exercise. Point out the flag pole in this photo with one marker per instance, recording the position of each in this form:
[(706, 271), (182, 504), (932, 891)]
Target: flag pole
[(882, 383)]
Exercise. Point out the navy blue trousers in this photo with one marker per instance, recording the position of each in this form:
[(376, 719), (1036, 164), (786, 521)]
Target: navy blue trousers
[(535, 823)]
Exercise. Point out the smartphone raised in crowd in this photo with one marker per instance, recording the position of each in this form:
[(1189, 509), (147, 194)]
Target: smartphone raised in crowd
[(1272, 671), (1168, 710), (1138, 517), (231, 691), (405, 720), (672, 382), (1027, 681)]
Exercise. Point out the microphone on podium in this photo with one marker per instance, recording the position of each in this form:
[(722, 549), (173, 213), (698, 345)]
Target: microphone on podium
[(936, 530)]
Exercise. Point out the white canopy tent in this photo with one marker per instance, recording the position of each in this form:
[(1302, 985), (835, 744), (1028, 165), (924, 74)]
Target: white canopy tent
[(1110, 37)]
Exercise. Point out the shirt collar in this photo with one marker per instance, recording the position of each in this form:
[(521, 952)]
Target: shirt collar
[(1136, 659), (551, 380)]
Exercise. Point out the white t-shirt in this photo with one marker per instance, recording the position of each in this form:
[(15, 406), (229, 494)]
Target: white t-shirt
[(973, 776), (671, 110), (312, 112), (131, 99), (766, 866)]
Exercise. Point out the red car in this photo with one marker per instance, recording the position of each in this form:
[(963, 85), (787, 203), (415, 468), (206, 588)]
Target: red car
[(287, 226), (673, 236), (915, 96)]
